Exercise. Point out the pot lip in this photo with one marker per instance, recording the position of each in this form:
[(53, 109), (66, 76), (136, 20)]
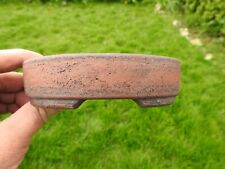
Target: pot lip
[(100, 55)]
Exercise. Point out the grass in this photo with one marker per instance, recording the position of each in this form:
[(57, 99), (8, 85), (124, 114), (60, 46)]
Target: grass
[(119, 134)]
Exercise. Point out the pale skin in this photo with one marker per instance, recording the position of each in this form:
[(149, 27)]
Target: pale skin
[(17, 130)]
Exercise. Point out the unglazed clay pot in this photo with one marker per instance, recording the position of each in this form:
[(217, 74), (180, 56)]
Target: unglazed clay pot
[(65, 81)]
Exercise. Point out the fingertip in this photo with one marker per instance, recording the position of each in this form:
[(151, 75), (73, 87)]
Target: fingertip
[(21, 98), (12, 108), (10, 59), (27, 53), (20, 52), (3, 108), (7, 98)]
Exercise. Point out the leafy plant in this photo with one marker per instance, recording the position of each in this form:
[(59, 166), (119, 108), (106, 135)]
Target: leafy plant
[(208, 14)]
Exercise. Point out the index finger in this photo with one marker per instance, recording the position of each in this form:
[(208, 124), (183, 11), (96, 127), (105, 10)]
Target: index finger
[(12, 59)]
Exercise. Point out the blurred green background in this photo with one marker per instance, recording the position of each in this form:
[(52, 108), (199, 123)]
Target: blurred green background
[(117, 134)]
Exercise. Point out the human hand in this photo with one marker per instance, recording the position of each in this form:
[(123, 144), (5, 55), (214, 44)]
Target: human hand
[(17, 130)]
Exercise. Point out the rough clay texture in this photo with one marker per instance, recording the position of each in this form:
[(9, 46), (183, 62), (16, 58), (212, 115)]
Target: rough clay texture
[(67, 80)]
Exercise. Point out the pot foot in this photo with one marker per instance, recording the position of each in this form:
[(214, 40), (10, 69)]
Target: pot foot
[(153, 102), (57, 103)]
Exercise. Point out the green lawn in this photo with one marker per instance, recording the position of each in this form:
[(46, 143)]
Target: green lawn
[(119, 134)]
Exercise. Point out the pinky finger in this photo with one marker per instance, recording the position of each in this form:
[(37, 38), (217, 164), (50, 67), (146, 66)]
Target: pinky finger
[(3, 108), (12, 108)]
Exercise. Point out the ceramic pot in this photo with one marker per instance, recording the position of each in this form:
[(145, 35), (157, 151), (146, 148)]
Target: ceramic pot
[(66, 80)]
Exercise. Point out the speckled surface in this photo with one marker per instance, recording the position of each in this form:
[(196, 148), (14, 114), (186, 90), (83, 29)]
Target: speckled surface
[(67, 80)]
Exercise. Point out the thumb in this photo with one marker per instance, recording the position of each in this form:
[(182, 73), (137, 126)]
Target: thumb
[(26, 121), (16, 133)]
